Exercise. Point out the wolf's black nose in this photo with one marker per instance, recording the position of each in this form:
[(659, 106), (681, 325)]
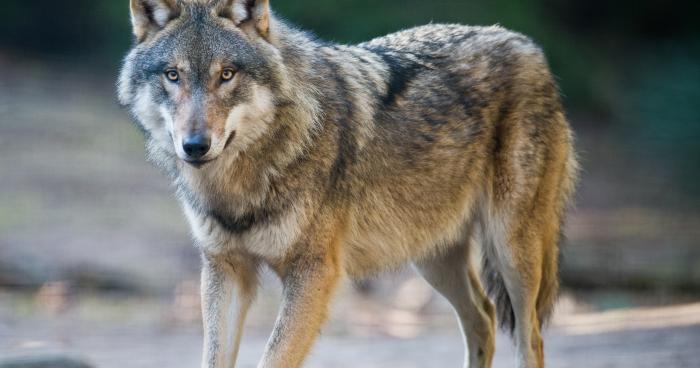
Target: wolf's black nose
[(196, 146)]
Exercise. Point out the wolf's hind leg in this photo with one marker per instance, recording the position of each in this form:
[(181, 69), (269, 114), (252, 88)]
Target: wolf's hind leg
[(450, 274)]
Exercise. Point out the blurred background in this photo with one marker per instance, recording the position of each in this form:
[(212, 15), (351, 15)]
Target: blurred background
[(96, 261)]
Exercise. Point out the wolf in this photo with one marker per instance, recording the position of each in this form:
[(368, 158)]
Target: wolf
[(323, 161)]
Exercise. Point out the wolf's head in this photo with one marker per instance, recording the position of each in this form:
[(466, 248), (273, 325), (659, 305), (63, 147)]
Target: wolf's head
[(199, 79)]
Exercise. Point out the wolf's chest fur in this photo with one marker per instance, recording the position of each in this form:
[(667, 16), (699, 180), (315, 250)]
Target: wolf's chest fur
[(377, 236)]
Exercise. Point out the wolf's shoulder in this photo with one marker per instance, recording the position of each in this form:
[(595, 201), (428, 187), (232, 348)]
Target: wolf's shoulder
[(445, 38)]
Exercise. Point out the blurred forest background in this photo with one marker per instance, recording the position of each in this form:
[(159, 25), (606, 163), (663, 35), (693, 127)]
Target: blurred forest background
[(84, 218)]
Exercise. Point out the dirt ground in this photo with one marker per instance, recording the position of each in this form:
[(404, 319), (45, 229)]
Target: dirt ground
[(140, 334)]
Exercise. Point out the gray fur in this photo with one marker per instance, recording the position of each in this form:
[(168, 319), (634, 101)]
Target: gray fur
[(340, 160)]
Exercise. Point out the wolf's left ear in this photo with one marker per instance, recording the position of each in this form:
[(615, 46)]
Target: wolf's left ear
[(150, 16), (242, 12)]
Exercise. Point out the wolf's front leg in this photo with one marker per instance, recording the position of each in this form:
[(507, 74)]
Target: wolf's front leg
[(229, 284), (309, 283)]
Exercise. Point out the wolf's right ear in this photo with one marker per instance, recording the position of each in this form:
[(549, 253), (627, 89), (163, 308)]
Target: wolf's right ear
[(150, 16)]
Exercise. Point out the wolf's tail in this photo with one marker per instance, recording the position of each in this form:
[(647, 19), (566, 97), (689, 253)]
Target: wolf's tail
[(549, 285), (546, 297), (549, 281), (496, 289)]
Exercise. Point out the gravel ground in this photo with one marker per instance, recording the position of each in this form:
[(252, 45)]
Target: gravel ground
[(137, 334), (662, 347)]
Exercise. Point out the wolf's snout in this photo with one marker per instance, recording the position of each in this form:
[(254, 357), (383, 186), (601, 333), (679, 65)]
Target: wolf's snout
[(196, 146)]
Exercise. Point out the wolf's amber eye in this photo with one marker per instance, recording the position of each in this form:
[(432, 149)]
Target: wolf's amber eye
[(172, 75), (227, 75)]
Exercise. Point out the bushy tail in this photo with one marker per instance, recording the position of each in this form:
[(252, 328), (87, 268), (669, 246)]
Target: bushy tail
[(549, 285), (546, 298), (496, 289)]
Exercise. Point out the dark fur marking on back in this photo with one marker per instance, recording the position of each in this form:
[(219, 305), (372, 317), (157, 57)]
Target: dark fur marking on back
[(347, 147), (402, 71)]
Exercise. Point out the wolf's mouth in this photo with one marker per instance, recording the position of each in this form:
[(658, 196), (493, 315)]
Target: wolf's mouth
[(197, 163), (230, 139)]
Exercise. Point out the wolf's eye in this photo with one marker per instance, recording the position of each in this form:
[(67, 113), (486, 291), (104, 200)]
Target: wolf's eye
[(227, 75), (172, 75)]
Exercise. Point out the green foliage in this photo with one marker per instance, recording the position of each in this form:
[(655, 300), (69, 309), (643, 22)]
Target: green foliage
[(583, 39), (659, 108), (91, 30)]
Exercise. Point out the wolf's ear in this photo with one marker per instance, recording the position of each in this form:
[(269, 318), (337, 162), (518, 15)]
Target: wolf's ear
[(150, 16), (243, 12)]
